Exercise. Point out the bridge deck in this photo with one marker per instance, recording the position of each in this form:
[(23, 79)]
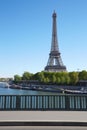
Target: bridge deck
[(43, 116)]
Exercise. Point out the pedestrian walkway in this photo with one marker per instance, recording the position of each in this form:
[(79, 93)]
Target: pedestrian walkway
[(42, 128), (50, 117)]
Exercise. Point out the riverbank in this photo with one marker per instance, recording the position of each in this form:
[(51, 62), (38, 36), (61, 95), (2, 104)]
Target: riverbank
[(52, 88), (43, 88), (48, 88)]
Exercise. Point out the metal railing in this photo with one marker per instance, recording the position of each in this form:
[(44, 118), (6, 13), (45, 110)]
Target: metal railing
[(44, 102)]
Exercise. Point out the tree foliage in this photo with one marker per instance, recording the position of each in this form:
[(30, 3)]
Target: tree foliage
[(73, 77), (60, 78), (17, 78), (26, 76), (83, 75)]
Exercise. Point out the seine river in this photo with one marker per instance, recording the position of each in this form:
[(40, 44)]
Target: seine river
[(9, 91)]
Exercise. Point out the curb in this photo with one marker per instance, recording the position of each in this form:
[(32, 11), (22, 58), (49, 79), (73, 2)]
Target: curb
[(43, 123)]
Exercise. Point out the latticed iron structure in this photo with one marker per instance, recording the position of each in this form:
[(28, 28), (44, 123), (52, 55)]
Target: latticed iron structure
[(55, 63)]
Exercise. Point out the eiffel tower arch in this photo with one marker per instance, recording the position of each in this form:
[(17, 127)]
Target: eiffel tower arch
[(55, 63)]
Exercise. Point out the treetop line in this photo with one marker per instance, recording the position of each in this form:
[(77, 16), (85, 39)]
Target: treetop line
[(59, 78)]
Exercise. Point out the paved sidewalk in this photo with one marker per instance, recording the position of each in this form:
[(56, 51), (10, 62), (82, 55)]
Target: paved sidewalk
[(42, 128), (43, 116)]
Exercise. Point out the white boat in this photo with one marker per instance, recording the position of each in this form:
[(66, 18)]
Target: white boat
[(81, 91)]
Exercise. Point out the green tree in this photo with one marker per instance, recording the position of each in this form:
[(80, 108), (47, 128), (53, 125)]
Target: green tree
[(58, 80), (17, 78), (41, 77), (46, 80), (26, 76), (83, 75), (53, 78), (62, 80), (67, 79), (73, 77)]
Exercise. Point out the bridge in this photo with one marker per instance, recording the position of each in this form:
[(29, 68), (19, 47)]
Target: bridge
[(64, 102), (55, 110)]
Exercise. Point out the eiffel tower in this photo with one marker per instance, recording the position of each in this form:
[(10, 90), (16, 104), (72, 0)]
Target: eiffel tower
[(55, 63)]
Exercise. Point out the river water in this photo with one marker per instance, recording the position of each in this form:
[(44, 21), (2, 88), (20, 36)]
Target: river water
[(4, 90), (9, 91)]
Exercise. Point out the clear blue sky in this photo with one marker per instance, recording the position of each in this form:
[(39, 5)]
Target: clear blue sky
[(26, 33)]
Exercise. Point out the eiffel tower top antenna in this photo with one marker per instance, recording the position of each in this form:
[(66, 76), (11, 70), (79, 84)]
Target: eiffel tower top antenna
[(54, 63), (54, 44)]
